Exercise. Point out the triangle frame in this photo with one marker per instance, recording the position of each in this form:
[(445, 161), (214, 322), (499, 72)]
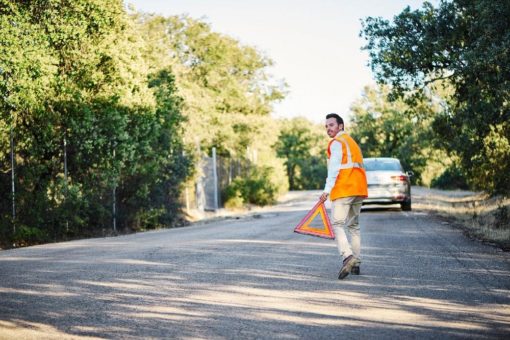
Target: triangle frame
[(304, 227)]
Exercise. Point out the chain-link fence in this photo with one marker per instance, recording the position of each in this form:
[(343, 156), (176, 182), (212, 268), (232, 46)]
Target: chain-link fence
[(216, 173)]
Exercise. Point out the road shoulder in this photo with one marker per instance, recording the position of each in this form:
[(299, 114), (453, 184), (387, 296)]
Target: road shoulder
[(480, 217)]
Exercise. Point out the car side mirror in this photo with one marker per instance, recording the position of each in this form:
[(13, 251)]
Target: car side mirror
[(409, 173)]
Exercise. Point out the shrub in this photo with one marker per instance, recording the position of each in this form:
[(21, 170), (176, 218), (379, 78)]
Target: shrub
[(234, 198), (28, 236), (255, 188), (502, 218), (451, 178)]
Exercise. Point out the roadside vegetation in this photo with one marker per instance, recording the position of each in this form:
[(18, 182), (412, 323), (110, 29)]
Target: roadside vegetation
[(477, 214), (458, 56), (105, 112), (301, 145), (455, 59)]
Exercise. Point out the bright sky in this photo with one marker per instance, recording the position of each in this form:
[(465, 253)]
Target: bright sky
[(314, 44)]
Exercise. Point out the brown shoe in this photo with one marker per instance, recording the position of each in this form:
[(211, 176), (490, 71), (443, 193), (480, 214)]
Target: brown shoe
[(349, 261)]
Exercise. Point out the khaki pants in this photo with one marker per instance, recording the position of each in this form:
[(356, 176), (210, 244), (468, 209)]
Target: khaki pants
[(345, 212)]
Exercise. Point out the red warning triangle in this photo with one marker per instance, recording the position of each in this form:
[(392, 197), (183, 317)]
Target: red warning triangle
[(324, 230)]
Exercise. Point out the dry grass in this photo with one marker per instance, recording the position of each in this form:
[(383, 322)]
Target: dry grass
[(485, 218)]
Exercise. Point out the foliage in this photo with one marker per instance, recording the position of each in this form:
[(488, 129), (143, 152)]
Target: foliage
[(467, 44), (302, 147), (29, 235), (259, 151), (312, 172), (107, 107), (221, 81), (255, 188), (386, 128), (227, 93), (502, 217), (451, 178), (74, 82)]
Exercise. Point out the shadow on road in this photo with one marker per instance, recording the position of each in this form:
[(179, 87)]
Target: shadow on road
[(254, 278)]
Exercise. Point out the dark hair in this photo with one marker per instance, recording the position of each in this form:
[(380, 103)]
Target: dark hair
[(339, 119)]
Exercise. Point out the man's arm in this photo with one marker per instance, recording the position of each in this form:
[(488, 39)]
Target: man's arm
[(333, 169)]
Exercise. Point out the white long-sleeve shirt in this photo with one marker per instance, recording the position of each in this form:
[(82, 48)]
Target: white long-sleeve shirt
[(334, 162)]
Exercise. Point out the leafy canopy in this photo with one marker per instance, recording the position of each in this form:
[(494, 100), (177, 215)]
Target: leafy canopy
[(465, 44), (302, 144)]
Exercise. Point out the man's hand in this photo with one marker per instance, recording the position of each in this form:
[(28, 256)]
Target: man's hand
[(324, 197)]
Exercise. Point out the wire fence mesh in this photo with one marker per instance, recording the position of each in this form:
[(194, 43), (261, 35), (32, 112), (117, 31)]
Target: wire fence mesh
[(216, 173)]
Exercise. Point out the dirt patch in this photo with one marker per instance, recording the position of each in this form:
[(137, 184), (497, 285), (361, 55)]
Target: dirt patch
[(481, 217)]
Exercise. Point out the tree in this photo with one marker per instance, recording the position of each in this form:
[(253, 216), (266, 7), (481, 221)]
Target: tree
[(394, 129), (300, 145), (97, 100), (27, 69), (465, 44), (226, 90), (76, 86), (220, 80)]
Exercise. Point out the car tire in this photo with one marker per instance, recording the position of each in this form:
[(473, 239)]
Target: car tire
[(406, 206)]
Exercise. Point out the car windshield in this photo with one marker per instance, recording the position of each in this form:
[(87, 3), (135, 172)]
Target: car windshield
[(382, 165)]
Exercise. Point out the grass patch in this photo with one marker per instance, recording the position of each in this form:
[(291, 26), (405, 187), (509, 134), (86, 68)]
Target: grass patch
[(480, 216)]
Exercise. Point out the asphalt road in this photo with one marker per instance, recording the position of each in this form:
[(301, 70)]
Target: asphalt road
[(253, 277)]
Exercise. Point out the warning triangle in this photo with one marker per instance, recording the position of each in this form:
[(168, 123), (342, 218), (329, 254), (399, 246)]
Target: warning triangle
[(308, 226)]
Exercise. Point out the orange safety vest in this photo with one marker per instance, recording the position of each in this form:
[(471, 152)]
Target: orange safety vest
[(351, 179)]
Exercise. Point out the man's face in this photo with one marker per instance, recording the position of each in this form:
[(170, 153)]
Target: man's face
[(332, 127)]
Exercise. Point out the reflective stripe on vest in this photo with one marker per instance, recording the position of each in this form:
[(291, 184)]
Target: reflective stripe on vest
[(350, 164)]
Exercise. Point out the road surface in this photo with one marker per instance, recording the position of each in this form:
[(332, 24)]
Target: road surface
[(252, 277)]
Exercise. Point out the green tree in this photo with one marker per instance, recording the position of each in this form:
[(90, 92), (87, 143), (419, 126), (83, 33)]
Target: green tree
[(74, 80), (220, 80), (27, 69), (467, 44), (394, 129), (226, 90), (105, 105), (301, 145)]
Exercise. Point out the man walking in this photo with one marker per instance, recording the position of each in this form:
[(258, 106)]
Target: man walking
[(346, 186)]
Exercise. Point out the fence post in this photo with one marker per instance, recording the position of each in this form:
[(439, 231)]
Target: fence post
[(215, 177), (229, 171), (187, 198), (13, 188), (114, 200), (66, 183)]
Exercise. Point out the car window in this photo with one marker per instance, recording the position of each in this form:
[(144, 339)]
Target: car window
[(382, 165)]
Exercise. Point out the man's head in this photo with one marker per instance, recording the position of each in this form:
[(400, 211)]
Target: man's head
[(334, 124)]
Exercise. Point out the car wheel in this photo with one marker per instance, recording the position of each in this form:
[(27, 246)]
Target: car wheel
[(406, 206)]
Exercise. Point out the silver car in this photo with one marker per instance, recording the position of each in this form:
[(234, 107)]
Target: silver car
[(387, 182)]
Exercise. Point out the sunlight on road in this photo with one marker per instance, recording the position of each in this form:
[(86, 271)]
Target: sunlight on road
[(332, 308), (255, 278), (20, 329)]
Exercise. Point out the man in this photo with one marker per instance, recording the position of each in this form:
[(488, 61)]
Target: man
[(346, 186)]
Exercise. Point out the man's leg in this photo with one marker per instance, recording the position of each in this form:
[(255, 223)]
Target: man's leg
[(354, 232), (341, 213), (354, 228), (344, 216)]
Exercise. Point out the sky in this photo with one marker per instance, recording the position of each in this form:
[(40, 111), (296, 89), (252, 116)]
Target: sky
[(314, 44)]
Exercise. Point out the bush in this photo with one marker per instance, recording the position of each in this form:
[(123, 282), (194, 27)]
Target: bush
[(314, 171), (255, 188), (451, 178), (234, 197), (28, 236), (502, 218)]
